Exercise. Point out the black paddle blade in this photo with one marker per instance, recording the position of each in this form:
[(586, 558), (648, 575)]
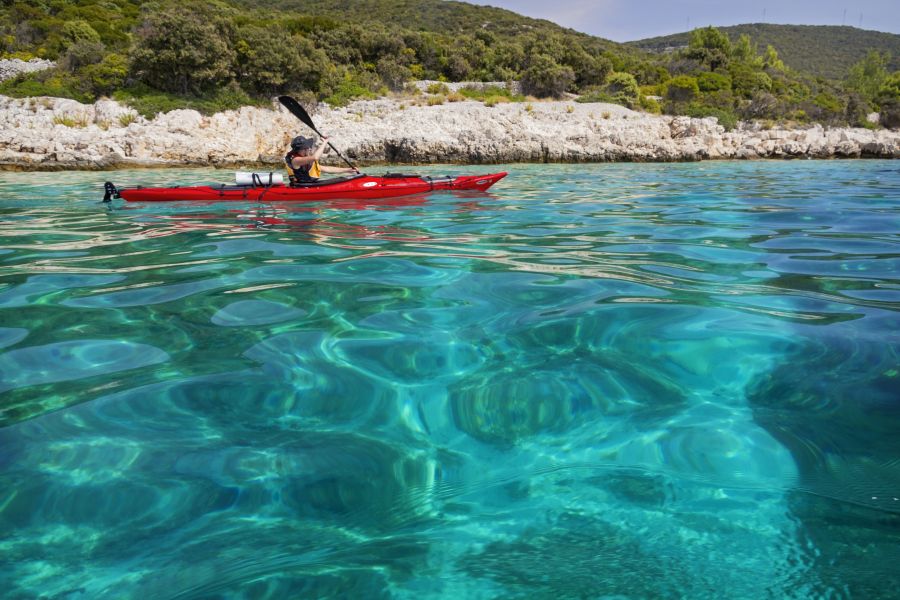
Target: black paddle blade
[(298, 111)]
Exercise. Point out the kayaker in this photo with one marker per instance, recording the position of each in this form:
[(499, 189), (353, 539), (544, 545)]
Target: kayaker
[(303, 160)]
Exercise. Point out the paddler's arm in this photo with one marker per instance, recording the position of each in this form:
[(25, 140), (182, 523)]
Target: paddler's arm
[(322, 149), (330, 169)]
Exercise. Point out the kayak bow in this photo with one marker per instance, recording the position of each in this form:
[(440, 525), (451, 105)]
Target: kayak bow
[(361, 186)]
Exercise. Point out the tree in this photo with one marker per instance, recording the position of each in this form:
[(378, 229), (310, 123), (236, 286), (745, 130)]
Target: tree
[(589, 69), (888, 100), (709, 46), (868, 75), (649, 74), (890, 88), (744, 50), (82, 53), (746, 81), (547, 78), (763, 104), (183, 50), (771, 60), (270, 61), (393, 73), (709, 38)]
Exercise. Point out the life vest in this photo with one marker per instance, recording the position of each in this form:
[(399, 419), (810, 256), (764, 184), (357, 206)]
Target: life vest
[(304, 173)]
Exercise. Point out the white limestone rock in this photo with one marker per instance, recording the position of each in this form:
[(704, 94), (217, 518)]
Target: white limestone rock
[(50, 133), (11, 67)]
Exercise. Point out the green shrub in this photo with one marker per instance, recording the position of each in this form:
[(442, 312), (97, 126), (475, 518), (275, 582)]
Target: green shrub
[(828, 102), (53, 82), (649, 105), (393, 73), (346, 87), (481, 93), (763, 105), (713, 82), (623, 88), (79, 121), (438, 88), (648, 74), (888, 99), (746, 81), (683, 88), (727, 119), (653, 90), (889, 91), (620, 88), (595, 95), (495, 100), (149, 102), (77, 31), (108, 75)]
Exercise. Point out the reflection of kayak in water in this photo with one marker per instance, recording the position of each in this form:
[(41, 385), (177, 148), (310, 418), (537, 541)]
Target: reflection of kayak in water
[(360, 186)]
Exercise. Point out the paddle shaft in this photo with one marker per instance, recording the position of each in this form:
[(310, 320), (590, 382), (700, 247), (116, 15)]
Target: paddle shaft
[(298, 111)]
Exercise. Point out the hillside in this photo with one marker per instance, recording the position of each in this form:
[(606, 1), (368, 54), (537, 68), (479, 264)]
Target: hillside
[(822, 50), (212, 56), (444, 17)]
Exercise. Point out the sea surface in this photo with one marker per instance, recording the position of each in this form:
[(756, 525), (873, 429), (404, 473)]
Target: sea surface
[(594, 381)]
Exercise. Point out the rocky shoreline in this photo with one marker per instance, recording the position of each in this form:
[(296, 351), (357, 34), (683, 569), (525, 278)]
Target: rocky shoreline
[(60, 134)]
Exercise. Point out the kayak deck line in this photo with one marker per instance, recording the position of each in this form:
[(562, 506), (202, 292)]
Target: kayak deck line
[(356, 186)]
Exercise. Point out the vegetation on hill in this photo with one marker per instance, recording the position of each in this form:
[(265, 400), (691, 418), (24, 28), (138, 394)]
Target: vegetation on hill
[(820, 50), (217, 54)]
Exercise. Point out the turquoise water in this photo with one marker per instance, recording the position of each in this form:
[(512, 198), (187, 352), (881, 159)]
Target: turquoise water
[(596, 381)]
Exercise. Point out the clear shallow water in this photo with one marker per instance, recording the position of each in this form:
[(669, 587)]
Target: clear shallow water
[(634, 381)]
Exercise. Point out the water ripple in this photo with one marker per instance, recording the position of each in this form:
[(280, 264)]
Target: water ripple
[(550, 390)]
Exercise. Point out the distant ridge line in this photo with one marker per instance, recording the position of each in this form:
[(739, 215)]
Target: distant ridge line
[(823, 50)]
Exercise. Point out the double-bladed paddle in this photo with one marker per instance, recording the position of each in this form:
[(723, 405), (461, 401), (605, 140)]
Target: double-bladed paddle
[(298, 111)]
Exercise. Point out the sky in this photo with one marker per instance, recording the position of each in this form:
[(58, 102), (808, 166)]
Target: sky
[(628, 20)]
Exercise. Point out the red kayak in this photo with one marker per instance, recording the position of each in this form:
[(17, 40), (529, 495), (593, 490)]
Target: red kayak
[(353, 187)]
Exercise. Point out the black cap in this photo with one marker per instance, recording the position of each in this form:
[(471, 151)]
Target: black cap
[(302, 143)]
